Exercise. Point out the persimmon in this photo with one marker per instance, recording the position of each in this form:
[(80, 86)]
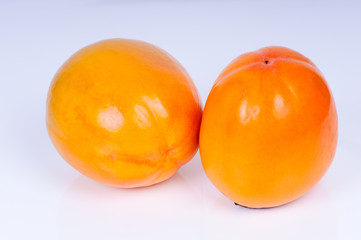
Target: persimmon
[(124, 113), (269, 128)]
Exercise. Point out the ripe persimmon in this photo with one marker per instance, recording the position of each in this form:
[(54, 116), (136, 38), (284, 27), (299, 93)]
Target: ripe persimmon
[(269, 128), (124, 113)]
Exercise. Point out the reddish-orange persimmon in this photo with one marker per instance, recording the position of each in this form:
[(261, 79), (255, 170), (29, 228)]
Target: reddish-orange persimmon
[(124, 113), (269, 128)]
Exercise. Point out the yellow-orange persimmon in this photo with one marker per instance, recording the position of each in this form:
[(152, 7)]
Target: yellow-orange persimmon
[(269, 128), (124, 113)]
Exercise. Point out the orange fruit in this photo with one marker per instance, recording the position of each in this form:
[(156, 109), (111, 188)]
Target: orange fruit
[(124, 113), (269, 128)]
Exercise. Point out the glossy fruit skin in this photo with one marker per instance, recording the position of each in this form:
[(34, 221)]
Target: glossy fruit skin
[(124, 113), (269, 128)]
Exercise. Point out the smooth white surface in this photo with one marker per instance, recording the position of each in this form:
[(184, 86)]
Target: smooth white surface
[(42, 197)]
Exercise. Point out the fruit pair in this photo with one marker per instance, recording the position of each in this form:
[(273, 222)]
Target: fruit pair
[(127, 114)]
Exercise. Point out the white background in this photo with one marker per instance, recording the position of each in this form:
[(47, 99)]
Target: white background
[(42, 197)]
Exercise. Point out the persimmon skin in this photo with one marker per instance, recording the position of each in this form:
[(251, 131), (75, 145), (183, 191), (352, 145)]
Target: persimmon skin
[(124, 113), (269, 128)]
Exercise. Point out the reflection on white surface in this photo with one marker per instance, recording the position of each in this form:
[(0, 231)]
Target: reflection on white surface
[(172, 209), (179, 208), (96, 211), (111, 119), (311, 212), (187, 204)]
